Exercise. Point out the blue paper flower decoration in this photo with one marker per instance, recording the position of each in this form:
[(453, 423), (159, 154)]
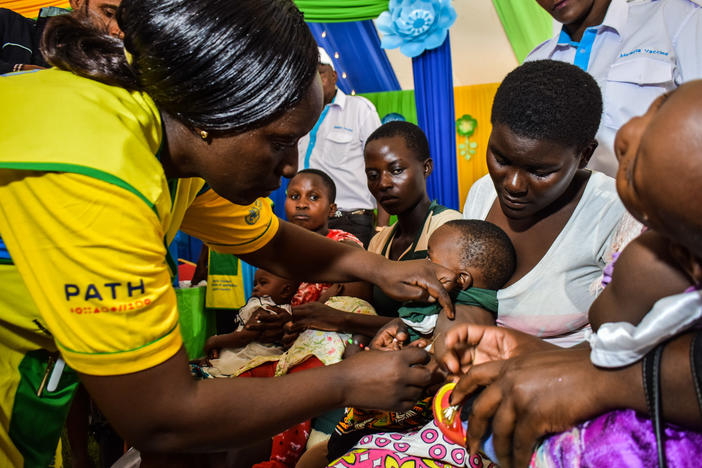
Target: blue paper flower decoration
[(415, 25), (393, 117)]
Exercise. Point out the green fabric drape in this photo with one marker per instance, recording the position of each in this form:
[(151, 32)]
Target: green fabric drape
[(338, 11), (526, 24), (413, 314), (400, 102)]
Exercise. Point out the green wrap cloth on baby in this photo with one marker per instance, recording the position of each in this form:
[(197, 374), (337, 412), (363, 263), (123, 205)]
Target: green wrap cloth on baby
[(421, 318)]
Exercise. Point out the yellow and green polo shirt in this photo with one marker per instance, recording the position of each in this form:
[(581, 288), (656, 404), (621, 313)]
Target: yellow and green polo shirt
[(86, 212)]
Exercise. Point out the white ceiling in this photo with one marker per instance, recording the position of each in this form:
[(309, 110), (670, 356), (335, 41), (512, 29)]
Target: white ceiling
[(480, 50)]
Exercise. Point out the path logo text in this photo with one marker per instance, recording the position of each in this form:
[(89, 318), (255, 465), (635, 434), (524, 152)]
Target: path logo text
[(100, 292)]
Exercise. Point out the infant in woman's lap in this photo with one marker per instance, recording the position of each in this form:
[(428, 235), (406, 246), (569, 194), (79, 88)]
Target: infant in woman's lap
[(483, 258)]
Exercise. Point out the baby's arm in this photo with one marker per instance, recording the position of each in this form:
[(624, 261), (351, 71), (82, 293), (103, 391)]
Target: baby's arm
[(464, 314), (644, 273), (236, 339), (252, 330), (356, 344), (319, 316), (391, 337)]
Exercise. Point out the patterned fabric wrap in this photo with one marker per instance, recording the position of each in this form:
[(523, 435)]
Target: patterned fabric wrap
[(424, 448), (618, 438), (310, 292), (328, 347), (627, 229), (372, 458), (358, 423), (356, 418)]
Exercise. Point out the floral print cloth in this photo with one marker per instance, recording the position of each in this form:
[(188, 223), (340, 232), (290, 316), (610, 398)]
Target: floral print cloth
[(328, 347), (427, 447)]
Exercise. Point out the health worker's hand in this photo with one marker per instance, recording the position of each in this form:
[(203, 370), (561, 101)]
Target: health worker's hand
[(385, 380), (392, 337), (311, 315), (418, 281)]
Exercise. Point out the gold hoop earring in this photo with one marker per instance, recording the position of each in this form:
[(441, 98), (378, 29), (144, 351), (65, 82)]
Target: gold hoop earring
[(204, 135)]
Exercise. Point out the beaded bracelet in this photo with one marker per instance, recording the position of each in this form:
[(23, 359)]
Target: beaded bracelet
[(357, 343)]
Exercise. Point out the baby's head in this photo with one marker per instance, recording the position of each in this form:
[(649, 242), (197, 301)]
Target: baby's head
[(479, 252), (280, 290), (310, 200), (660, 169)]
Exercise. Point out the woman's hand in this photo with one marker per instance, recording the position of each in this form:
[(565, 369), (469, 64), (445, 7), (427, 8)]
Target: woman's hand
[(530, 396), (310, 315), (385, 380), (469, 344), (418, 280), (313, 315), (391, 337), (269, 322)]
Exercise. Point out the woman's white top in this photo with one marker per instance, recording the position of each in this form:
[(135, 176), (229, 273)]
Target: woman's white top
[(552, 300)]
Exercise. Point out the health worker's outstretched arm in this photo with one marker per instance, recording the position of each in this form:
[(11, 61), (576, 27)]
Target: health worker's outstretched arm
[(97, 281), (164, 409), (297, 253)]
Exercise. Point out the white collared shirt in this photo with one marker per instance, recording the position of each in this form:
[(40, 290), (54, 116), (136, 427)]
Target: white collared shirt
[(642, 49), (337, 143)]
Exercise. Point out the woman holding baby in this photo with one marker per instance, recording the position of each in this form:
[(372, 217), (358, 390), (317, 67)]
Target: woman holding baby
[(564, 221)]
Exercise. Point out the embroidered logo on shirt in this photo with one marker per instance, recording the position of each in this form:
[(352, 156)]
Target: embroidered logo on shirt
[(254, 213), (644, 51), (341, 127)]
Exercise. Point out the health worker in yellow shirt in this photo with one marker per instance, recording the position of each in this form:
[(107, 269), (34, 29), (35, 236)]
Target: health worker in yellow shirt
[(182, 123)]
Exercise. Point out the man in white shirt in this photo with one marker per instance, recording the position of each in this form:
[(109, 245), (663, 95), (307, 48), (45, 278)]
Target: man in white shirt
[(335, 146), (635, 50)]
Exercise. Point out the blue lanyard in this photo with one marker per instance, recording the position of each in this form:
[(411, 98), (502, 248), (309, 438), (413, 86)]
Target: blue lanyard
[(313, 135)]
